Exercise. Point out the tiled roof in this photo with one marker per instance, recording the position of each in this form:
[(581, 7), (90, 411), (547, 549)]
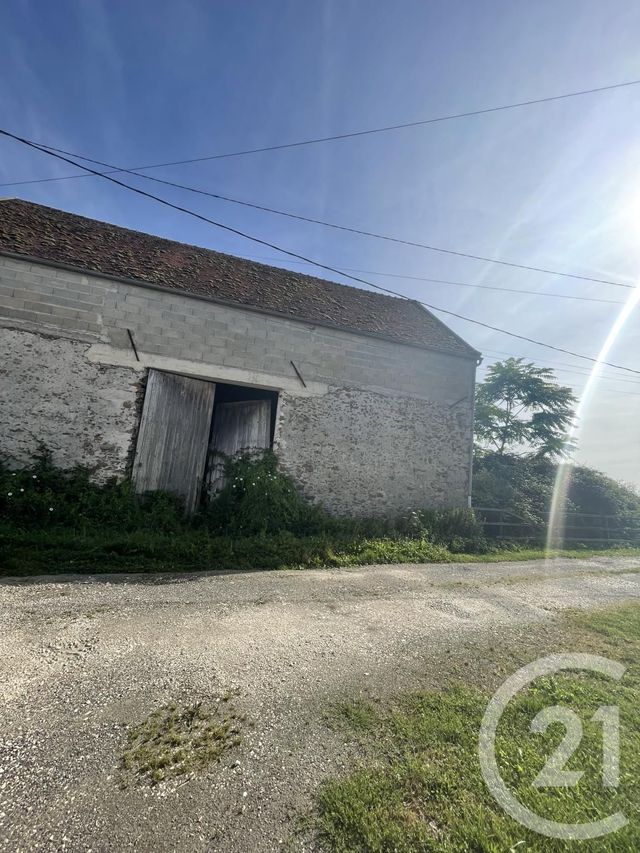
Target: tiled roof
[(53, 235)]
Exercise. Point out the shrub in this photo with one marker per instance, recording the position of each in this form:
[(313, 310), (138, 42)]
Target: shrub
[(457, 529), (258, 498), (525, 486), (43, 496)]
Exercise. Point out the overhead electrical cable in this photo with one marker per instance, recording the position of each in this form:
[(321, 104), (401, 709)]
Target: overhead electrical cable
[(354, 134), (322, 222), (318, 264), (560, 363), (610, 389), (577, 371), (467, 284)]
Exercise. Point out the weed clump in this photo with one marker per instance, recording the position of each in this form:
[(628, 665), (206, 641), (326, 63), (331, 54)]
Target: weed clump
[(176, 740), (258, 498)]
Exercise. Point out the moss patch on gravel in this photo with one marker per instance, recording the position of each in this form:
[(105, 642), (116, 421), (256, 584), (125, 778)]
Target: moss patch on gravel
[(178, 739)]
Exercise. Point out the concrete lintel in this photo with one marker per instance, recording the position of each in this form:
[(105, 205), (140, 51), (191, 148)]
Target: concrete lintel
[(116, 357), (46, 330)]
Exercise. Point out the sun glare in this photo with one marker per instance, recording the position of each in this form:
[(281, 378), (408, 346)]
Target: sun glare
[(557, 514)]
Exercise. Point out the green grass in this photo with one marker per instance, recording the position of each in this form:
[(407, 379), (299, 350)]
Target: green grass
[(512, 555), (176, 740), (419, 787), (36, 552), (61, 551)]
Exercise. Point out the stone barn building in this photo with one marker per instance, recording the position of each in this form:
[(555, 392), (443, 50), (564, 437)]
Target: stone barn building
[(140, 356)]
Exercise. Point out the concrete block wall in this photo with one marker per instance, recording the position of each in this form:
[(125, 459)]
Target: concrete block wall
[(199, 337)]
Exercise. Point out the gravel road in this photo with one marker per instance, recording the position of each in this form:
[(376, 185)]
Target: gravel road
[(83, 657)]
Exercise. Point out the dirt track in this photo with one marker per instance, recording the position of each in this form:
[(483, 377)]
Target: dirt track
[(80, 658)]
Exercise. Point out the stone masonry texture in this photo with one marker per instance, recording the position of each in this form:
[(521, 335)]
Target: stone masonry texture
[(373, 454), (50, 393), (392, 431)]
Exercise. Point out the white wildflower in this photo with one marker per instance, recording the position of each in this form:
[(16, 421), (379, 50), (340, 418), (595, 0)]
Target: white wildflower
[(9, 494)]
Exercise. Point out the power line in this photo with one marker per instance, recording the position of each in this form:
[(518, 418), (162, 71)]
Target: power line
[(468, 284), (350, 269), (318, 264), (618, 391), (614, 390), (560, 363), (111, 169), (609, 389), (351, 135), (577, 371), (530, 340), (585, 374)]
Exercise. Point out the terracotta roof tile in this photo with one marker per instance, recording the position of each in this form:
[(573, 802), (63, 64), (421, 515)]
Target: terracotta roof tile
[(48, 234)]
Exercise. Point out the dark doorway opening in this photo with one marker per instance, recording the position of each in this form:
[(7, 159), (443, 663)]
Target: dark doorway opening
[(243, 393), (243, 421)]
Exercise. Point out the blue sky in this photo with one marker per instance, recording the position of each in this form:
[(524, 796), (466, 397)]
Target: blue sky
[(554, 185)]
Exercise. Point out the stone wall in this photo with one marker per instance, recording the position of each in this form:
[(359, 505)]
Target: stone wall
[(52, 393), (367, 453), (379, 426)]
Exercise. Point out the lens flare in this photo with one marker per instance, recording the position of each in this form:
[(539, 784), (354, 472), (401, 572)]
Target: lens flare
[(557, 514)]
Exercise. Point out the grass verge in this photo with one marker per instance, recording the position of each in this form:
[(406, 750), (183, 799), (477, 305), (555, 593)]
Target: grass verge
[(39, 552), (419, 787), (514, 555)]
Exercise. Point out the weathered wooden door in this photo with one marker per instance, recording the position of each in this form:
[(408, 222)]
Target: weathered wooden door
[(236, 427), (174, 434)]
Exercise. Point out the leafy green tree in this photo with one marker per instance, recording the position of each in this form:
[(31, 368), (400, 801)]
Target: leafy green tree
[(521, 408)]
